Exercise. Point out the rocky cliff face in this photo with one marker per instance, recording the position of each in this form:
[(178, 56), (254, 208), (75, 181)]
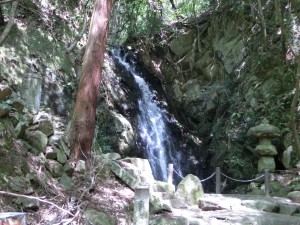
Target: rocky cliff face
[(220, 80)]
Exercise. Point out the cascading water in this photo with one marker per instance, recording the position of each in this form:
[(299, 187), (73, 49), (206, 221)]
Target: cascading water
[(157, 140)]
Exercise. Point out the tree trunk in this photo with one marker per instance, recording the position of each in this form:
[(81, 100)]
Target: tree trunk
[(83, 121), (294, 106)]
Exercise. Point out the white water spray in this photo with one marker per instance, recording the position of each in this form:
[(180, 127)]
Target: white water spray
[(152, 126)]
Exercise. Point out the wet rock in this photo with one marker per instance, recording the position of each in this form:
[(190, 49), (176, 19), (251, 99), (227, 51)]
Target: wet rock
[(190, 190), (37, 139), (54, 167), (97, 218)]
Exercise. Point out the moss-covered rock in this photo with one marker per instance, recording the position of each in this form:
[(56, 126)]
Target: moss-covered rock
[(37, 139), (190, 190)]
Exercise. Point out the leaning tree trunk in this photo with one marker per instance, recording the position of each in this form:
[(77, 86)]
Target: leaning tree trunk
[(83, 121)]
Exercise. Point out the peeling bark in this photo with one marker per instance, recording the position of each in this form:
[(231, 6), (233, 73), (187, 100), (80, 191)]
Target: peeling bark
[(84, 115)]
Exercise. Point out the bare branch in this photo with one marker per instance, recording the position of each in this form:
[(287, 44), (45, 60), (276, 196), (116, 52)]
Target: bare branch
[(10, 22), (36, 198)]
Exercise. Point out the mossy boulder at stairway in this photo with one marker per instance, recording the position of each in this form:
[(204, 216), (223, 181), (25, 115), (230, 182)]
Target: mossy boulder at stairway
[(37, 139), (190, 190)]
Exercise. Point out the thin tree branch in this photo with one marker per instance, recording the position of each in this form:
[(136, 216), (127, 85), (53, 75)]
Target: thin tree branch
[(36, 198), (10, 22)]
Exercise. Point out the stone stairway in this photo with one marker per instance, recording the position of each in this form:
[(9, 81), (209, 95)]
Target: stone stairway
[(170, 207)]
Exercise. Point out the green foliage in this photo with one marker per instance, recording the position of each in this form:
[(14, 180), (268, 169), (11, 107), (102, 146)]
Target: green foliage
[(146, 18), (191, 8)]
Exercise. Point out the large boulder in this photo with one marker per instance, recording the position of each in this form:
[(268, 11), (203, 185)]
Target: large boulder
[(294, 196), (20, 184), (127, 177), (182, 44), (288, 209), (46, 126), (125, 133), (37, 139), (190, 190), (55, 168), (142, 169)]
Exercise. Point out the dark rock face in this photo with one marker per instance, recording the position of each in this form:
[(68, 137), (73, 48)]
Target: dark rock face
[(213, 81), (119, 117)]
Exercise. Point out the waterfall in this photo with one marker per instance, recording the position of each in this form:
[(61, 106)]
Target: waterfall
[(158, 143)]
